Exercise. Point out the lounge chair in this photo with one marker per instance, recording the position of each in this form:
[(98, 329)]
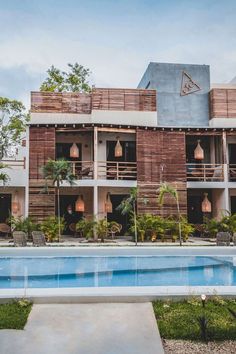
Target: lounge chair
[(19, 239), (234, 238), (223, 239), (5, 229), (38, 238)]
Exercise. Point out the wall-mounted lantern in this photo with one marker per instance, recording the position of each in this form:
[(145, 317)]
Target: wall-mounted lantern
[(118, 149), (15, 204), (206, 204), (108, 204), (79, 204), (74, 151), (198, 152)]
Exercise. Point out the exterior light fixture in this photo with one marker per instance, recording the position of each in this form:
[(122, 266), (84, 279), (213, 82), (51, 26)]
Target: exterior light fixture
[(206, 204), (74, 151), (16, 204), (118, 149), (203, 298), (79, 204), (198, 152), (108, 204)]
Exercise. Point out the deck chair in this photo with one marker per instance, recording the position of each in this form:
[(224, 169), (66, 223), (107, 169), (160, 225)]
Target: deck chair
[(234, 238), (19, 239), (223, 239), (38, 238)]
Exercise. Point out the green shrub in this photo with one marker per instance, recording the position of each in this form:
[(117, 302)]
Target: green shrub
[(50, 228), (23, 224)]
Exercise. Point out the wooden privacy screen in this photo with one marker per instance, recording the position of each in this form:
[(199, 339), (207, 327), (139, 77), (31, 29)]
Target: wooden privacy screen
[(124, 100), (160, 158), (99, 99), (41, 148), (60, 102), (223, 103)]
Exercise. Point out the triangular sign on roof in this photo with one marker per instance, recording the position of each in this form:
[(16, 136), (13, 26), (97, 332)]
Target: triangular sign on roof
[(188, 85)]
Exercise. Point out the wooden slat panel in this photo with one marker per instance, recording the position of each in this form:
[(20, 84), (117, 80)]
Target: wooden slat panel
[(60, 102), (41, 148), (124, 99), (160, 157), (223, 103)]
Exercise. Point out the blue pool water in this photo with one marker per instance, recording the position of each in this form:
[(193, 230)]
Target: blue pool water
[(86, 271)]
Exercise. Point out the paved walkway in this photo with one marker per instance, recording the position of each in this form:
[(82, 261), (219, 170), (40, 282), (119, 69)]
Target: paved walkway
[(124, 328), (72, 241)]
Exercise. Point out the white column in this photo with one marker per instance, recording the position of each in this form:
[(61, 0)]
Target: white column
[(95, 206), (95, 153)]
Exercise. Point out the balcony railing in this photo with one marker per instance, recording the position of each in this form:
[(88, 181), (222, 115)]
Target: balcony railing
[(15, 164), (232, 173), (83, 169), (205, 172), (112, 170), (117, 170)]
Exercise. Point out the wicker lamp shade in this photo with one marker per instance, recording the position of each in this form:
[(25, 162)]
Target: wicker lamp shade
[(198, 152)]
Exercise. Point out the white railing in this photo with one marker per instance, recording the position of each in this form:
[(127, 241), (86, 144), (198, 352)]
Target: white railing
[(205, 172), (14, 164)]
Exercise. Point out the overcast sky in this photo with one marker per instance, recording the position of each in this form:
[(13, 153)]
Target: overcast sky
[(116, 39)]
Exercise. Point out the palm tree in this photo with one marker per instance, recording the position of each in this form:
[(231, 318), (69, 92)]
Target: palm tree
[(164, 189), (57, 172), (128, 206), (3, 175)]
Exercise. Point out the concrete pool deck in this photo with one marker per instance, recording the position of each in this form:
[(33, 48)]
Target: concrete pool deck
[(86, 329)]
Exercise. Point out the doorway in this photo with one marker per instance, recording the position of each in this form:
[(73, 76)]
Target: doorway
[(116, 215), (68, 212), (233, 204), (5, 207)]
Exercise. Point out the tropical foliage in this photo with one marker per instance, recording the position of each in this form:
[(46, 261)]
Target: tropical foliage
[(25, 224), (85, 227), (167, 189), (75, 80), (4, 178), (128, 206), (13, 119), (57, 172), (53, 227)]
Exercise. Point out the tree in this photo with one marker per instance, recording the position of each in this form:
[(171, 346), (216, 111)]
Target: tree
[(13, 119), (57, 172), (75, 80), (168, 189), (128, 206), (4, 178)]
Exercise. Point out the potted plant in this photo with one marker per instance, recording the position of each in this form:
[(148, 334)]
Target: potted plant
[(101, 228), (186, 228), (86, 227), (52, 228), (23, 224)]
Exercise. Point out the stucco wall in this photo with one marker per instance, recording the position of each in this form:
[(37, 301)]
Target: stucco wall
[(174, 109)]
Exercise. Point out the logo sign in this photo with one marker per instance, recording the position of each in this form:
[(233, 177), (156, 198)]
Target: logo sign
[(188, 85)]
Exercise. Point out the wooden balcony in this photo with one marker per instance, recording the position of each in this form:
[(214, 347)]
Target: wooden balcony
[(205, 172), (232, 172), (117, 170), (111, 170)]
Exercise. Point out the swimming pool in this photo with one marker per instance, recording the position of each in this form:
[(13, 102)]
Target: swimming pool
[(135, 270), (113, 271)]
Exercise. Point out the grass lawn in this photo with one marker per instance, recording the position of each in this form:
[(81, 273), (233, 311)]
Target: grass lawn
[(179, 320), (14, 315)]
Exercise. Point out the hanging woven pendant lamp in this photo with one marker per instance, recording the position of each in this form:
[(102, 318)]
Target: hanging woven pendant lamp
[(118, 149), (206, 204), (74, 151), (79, 204), (108, 204), (198, 152)]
